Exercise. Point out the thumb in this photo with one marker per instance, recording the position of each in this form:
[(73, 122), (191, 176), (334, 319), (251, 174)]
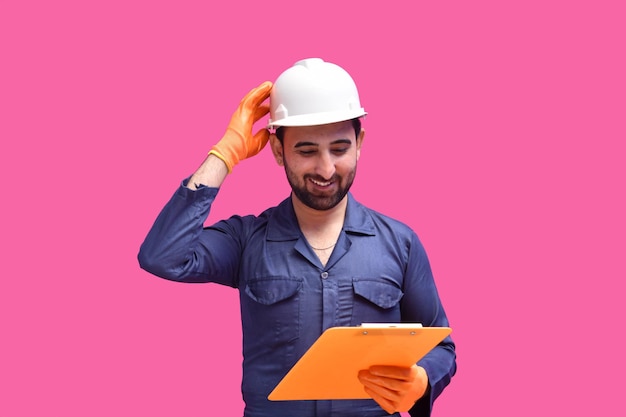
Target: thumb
[(258, 143)]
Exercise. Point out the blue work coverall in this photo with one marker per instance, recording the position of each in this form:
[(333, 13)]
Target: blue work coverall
[(377, 272)]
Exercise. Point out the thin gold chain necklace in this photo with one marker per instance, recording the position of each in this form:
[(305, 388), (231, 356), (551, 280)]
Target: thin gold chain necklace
[(324, 248)]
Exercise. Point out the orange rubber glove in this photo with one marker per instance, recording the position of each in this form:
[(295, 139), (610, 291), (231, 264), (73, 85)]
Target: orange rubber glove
[(394, 388), (238, 143)]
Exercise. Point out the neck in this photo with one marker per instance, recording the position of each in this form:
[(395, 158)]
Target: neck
[(321, 228)]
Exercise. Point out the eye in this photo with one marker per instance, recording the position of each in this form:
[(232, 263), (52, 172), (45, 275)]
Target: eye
[(307, 152), (340, 151)]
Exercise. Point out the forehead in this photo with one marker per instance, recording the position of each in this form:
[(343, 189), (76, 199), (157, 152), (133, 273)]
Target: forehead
[(327, 132)]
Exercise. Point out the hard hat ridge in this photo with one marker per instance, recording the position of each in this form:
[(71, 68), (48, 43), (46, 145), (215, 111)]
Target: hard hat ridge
[(313, 92)]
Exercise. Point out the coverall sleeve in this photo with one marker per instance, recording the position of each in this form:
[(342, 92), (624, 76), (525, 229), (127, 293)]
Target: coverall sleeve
[(179, 248), (421, 303)]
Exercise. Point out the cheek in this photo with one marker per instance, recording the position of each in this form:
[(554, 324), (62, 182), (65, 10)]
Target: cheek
[(347, 164), (297, 163)]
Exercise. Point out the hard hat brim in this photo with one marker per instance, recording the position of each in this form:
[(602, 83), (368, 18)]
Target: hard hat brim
[(316, 119)]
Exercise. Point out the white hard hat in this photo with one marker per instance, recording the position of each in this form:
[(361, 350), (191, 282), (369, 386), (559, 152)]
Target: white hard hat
[(313, 92)]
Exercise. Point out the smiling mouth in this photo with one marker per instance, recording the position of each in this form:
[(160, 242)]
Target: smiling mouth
[(321, 183)]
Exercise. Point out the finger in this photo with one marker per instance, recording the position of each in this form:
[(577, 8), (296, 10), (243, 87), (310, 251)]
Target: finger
[(257, 95), (405, 405), (391, 384), (394, 372), (261, 111), (382, 387), (384, 403), (260, 139)]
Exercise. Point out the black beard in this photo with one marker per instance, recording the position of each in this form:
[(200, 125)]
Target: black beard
[(318, 203)]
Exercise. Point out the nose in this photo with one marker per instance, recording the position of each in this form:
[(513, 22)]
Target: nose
[(325, 165)]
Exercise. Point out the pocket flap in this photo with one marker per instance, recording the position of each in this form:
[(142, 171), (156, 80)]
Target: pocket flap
[(382, 294), (272, 289)]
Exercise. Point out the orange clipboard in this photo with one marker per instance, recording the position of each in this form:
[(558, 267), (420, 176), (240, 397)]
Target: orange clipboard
[(329, 369)]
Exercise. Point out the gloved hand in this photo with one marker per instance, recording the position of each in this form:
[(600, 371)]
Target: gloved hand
[(238, 142), (394, 388)]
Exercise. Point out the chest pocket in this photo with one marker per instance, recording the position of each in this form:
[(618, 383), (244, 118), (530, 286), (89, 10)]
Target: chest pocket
[(271, 309), (272, 290), (375, 301)]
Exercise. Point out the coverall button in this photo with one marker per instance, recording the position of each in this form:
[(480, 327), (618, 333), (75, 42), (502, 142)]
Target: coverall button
[(324, 275)]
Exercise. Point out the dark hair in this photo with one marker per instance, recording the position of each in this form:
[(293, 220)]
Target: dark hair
[(356, 124)]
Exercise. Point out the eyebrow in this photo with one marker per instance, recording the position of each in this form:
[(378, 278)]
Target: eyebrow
[(335, 142)]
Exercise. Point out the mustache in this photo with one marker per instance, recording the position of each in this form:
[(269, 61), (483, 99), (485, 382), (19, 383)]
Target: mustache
[(319, 178)]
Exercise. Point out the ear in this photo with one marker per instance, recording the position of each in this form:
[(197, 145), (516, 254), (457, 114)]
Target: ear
[(359, 142), (277, 149)]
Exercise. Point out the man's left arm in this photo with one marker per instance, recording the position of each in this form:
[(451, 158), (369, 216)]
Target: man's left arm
[(415, 389)]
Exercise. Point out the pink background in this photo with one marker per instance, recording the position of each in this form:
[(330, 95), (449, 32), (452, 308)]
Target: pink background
[(496, 130)]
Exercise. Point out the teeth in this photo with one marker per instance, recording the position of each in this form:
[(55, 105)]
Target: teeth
[(321, 184)]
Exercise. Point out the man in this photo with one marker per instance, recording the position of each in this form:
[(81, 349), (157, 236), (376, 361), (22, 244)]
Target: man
[(317, 260)]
